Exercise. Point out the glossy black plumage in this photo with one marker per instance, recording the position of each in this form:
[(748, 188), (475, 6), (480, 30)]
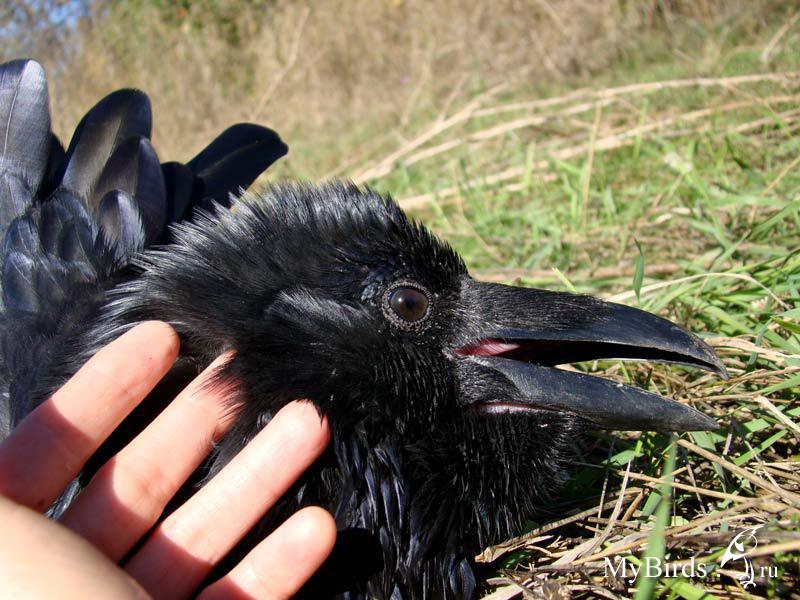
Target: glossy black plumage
[(448, 426), (72, 220)]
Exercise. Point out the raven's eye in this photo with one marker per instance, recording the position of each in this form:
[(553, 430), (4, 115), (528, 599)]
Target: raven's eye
[(408, 305)]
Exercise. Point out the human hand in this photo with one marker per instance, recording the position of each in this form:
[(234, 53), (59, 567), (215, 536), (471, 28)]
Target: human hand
[(78, 556)]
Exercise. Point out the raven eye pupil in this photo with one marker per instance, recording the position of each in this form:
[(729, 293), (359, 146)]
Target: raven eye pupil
[(409, 304)]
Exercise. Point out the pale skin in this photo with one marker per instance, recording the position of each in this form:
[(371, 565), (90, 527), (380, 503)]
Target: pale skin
[(79, 556)]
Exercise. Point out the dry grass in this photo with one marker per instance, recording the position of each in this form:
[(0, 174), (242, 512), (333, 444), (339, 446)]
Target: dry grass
[(335, 72)]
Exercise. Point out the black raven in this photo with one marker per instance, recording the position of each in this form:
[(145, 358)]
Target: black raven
[(449, 419)]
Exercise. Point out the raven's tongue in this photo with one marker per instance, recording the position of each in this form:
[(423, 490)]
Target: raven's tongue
[(487, 348)]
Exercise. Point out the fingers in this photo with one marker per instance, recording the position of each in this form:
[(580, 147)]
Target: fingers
[(41, 559), (184, 548), (51, 445), (132, 489), (279, 566), (127, 496)]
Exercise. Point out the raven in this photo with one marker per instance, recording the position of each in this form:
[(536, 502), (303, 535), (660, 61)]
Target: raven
[(450, 421)]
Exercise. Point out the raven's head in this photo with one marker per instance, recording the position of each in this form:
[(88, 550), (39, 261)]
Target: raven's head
[(449, 415)]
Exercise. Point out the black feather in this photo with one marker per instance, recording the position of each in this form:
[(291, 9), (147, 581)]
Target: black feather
[(21, 236), (56, 163), (24, 122), (118, 117), (15, 198), (134, 170), (251, 148), (179, 183), (55, 215), (19, 270), (73, 221), (120, 222)]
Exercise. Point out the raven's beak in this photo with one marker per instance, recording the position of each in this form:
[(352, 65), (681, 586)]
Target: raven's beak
[(523, 333)]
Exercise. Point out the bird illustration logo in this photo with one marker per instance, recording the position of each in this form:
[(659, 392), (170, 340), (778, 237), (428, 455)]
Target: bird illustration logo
[(738, 549)]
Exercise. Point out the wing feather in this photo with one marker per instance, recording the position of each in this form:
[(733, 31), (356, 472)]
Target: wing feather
[(120, 222), (121, 115), (179, 182), (233, 161), (71, 221), (24, 122), (134, 170)]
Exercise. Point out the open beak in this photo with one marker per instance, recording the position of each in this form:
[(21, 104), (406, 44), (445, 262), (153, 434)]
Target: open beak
[(522, 334)]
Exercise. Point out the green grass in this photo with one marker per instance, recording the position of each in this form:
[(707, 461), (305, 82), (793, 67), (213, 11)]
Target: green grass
[(683, 201)]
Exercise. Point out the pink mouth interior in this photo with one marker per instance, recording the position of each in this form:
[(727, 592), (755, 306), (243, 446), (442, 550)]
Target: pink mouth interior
[(497, 348), (487, 348)]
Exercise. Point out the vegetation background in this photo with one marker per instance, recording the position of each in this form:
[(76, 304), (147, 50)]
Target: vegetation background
[(644, 151)]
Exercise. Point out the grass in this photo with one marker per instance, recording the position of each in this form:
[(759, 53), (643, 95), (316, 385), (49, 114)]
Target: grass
[(338, 77), (678, 194)]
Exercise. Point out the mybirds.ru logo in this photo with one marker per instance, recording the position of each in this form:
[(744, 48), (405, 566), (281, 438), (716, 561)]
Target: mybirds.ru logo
[(744, 542), (736, 556)]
